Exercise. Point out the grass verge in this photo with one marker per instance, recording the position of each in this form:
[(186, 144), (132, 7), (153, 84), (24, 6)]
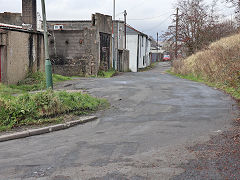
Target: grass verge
[(49, 107), (44, 107), (37, 81)]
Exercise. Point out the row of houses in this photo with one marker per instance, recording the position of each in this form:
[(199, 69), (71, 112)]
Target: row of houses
[(76, 47)]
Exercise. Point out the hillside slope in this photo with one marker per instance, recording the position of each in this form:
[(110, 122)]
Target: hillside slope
[(218, 65)]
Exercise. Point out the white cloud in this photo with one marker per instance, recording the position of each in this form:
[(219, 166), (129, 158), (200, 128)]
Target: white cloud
[(155, 12)]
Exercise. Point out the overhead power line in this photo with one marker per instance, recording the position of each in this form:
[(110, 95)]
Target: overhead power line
[(153, 28), (150, 18)]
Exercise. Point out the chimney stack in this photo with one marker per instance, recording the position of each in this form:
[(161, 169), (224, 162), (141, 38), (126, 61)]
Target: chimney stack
[(29, 13)]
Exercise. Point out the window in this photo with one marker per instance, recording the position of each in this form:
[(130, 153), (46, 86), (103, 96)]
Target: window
[(58, 27)]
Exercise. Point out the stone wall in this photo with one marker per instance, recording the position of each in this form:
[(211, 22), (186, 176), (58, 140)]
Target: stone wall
[(69, 70), (125, 62), (77, 43), (70, 25), (103, 23), (75, 48), (29, 13), (11, 18), (22, 53)]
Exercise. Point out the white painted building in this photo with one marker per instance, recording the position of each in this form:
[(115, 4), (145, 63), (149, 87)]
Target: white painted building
[(139, 45)]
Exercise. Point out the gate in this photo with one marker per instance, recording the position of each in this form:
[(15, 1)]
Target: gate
[(104, 51)]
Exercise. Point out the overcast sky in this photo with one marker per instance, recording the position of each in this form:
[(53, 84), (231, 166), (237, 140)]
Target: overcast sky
[(148, 16)]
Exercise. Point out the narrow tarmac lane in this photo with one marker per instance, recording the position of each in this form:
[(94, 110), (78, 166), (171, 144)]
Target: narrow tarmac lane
[(142, 136)]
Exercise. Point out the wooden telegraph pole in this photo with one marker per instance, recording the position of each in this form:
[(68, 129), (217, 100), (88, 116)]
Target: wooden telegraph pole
[(176, 36), (125, 23)]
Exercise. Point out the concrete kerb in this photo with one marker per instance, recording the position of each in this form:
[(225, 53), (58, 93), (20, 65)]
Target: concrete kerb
[(39, 131)]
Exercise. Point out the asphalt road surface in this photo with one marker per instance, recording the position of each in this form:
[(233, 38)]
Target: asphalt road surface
[(153, 117)]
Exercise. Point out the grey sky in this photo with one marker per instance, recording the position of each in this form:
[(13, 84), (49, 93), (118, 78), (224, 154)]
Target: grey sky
[(149, 16)]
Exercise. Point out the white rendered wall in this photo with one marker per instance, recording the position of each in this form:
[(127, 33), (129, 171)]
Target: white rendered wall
[(142, 52), (148, 51), (132, 45)]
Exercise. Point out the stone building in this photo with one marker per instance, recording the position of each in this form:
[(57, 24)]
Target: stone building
[(21, 52), (28, 17), (21, 48), (81, 47), (11, 18)]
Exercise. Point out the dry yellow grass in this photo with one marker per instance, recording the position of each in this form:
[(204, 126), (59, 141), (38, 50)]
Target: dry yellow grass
[(219, 63)]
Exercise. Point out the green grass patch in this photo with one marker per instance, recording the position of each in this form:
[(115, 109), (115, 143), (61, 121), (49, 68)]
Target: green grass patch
[(37, 81), (234, 92), (6, 90), (39, 108), (107, 74)]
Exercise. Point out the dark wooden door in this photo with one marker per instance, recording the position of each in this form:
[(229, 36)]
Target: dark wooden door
[(105, 51)]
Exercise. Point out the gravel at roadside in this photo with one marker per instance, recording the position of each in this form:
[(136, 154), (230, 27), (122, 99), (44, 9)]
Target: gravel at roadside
[(218, 158)]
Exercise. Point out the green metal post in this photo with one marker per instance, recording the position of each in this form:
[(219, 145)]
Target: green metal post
[(48, 65)]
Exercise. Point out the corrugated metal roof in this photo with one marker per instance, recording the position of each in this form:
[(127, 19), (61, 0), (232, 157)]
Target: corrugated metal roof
[(10, 26), (17, 28)]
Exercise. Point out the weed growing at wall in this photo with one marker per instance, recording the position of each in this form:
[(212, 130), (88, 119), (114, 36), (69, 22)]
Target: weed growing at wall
[(107, 74), (37, 81)]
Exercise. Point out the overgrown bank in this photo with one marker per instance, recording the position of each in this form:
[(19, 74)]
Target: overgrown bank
[(218, 66)]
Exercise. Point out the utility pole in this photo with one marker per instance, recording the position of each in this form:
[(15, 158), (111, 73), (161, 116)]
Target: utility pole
[(176, 36), (114, 9), (125, 23), (157, 41), (48, 65), (113, 36)]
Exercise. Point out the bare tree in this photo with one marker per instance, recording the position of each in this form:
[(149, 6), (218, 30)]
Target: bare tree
[(199, 25), (236, 4)]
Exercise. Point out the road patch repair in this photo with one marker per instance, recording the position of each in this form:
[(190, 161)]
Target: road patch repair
[(44, 130)]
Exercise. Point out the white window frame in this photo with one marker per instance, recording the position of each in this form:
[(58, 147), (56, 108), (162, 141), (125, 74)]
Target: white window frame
[(58, 27)]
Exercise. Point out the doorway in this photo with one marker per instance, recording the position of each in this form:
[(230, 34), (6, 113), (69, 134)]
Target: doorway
[(104, 51)]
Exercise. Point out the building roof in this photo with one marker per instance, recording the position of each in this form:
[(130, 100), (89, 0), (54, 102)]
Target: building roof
[(10, 26), (18, 28), (139, 32)]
